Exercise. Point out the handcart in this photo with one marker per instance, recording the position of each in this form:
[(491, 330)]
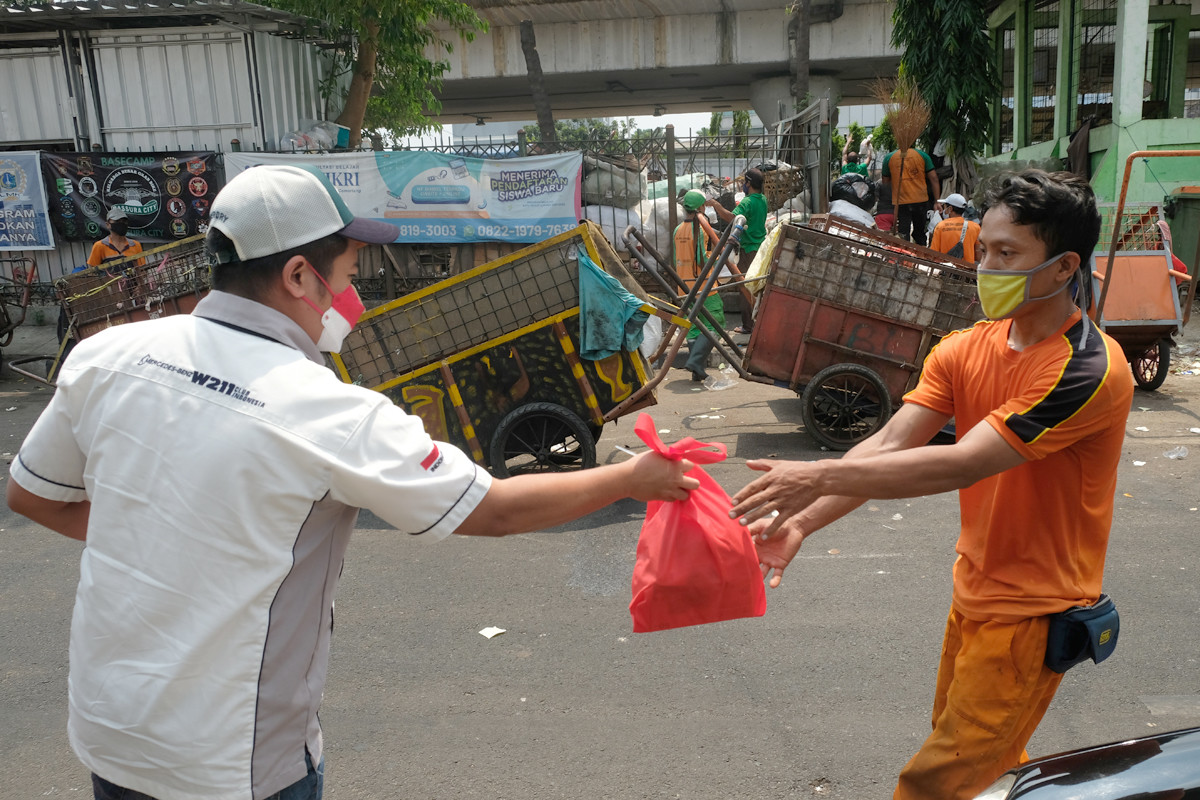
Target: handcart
[(1139, 306), (490, 359), (675, 287), (17, 277), (847, 321), (163, 281)]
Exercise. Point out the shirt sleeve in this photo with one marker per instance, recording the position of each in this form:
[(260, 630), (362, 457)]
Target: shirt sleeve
[(96, 257), (928, 160), (50, 463), (935, 389), (393, 468)]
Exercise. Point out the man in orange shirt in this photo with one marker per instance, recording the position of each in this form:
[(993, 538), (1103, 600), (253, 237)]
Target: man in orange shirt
[(1040, 397), (955, 235), (913, 178), (115, 246)]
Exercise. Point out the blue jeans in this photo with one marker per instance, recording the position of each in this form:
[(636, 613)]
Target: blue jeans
[(309, 787)]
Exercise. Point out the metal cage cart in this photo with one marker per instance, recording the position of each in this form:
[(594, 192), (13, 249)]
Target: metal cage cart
[(489, 359), (847, 323), (159, 282)]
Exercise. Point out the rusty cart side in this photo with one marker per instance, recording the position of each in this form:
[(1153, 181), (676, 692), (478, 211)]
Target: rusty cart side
[(1140, 307), (166, 280), (489, 359), (847, 323), (18, 274)]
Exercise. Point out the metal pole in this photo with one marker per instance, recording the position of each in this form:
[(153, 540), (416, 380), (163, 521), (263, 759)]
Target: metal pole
[(673, 213)]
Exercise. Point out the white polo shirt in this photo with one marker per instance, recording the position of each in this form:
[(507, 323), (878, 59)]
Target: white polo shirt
[(225, 466)]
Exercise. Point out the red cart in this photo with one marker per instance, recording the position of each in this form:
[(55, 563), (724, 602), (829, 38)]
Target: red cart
[(847, 320)]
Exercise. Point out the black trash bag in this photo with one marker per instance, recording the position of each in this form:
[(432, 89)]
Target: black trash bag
[(854, 189)]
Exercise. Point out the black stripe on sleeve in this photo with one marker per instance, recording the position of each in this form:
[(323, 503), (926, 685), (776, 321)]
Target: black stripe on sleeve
[(47, 480), (1082, 375)]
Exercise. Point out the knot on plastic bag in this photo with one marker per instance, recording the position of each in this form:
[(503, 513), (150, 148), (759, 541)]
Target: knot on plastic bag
[(695, 451)]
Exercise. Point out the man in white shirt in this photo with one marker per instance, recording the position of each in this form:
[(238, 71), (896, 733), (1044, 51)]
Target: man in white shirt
[(215, 468)]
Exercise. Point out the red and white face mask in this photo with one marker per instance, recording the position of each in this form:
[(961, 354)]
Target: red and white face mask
[(340, 318)]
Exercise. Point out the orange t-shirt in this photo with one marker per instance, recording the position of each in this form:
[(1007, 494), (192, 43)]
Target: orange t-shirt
[(910, 187), (689, 256), (103, 251), (1034, 537), (946, 233)]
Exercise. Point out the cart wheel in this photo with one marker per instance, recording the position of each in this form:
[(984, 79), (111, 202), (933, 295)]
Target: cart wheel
[(1150, 368), (541, 437), (844, 404)]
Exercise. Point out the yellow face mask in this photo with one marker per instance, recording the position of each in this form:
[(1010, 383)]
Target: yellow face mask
[(1002, 292)]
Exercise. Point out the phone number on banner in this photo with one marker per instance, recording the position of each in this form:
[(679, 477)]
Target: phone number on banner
[(486, 232)]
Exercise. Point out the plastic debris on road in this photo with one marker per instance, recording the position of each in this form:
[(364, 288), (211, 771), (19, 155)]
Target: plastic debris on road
[(725, 379)]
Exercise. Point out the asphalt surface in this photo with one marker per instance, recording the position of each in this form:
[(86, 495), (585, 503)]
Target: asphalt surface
[(826, 696)]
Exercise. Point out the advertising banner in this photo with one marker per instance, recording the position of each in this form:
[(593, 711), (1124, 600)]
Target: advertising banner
[(440, 198), (165, 195), (24, 218)]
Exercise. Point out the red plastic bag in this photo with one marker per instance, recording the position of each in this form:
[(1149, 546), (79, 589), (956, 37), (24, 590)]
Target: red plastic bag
[(694, 563)]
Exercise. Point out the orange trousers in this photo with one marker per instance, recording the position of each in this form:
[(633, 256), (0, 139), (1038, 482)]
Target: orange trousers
[(992, 691)]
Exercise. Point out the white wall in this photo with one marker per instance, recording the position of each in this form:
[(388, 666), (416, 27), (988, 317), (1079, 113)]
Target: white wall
[(35, 101)]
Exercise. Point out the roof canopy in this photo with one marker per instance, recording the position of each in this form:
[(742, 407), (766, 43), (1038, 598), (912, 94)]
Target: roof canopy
[(36, 17)]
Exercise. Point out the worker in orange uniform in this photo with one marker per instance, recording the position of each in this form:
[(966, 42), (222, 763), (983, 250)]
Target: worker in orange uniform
[(115, 246), (955, 235), (1040, 396), (914, 183)]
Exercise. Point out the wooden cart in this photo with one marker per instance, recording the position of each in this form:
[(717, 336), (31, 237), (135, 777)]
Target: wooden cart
[(169, 279), (489, 359), (847, 320)]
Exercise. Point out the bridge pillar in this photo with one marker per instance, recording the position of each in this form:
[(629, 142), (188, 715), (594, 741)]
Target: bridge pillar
[(771, 98)]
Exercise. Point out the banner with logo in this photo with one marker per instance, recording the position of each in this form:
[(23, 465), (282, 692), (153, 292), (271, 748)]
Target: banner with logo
[(165, 195), (24, 217), (440, 198)]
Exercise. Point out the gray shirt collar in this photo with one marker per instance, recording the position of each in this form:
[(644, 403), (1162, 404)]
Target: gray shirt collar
[(254, 316)]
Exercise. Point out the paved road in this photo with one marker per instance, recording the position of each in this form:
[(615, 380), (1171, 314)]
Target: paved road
[(826, 696)]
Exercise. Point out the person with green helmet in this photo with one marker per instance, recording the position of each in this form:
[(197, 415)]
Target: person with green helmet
[(754, 208), (690, 246)]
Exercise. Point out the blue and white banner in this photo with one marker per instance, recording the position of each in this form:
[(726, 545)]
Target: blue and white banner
[(439, 198), (24, 216)]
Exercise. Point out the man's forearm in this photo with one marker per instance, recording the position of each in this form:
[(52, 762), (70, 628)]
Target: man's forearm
[(69, 519), (724, 213), (905, 473)]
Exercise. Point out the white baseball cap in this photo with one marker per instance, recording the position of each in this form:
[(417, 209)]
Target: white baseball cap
[(272, 208), (956, 200)]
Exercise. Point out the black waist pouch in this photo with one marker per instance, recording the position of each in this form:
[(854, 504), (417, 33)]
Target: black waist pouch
[(1082, 632)]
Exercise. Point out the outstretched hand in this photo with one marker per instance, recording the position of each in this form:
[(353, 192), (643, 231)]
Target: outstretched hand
[(658, 478), (788, 487), (775, 553)]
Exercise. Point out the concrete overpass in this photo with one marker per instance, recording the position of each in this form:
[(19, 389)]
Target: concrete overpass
[(611, 58)]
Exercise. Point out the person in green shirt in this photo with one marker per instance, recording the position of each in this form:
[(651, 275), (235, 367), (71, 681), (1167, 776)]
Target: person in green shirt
[(852, 165), (754, 208)]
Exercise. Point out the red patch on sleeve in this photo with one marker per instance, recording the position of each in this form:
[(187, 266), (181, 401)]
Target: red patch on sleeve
[(430, 459)]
